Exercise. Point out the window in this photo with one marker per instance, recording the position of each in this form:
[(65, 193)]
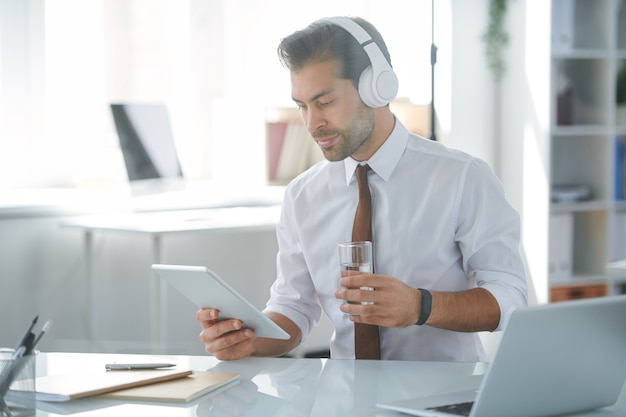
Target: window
[(212, 62)]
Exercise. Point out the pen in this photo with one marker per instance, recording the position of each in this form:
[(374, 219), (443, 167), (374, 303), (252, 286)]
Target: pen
[(136, 366), (44, 329), (27, 335), (19, 353), (23, 349)]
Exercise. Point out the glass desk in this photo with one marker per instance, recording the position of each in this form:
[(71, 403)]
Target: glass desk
[(277, 387)]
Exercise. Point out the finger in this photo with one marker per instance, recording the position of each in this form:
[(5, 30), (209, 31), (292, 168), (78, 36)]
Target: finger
[(234, 346), (357, 296), (366, 309), (219, 329), (224, 336), (349, 273), (206, 315), (361, 280)]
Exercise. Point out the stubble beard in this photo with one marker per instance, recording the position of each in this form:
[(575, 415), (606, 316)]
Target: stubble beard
[(353, 138)]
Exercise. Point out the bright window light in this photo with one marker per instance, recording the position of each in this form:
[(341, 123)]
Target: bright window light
[(213, 64)]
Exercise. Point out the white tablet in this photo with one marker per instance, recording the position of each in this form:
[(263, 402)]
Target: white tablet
[(205, 289)]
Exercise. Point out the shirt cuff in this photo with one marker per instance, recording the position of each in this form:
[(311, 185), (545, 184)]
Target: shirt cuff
[(299, 319), (508, 297)]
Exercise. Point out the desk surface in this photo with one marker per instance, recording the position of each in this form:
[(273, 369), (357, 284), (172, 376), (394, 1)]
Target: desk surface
[(617, 266), (280, 387), (180, 221), (37, 202)]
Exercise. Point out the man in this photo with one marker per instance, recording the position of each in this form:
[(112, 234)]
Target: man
[(445, 240)]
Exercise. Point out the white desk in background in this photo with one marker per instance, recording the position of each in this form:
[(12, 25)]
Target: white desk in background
[(617, 274), (158, 225), (618, 267), (281, 386)]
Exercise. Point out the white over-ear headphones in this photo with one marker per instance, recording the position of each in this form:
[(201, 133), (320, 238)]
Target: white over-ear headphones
[(378, 84)]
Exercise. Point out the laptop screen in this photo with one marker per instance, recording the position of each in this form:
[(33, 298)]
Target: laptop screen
[(146, 141)]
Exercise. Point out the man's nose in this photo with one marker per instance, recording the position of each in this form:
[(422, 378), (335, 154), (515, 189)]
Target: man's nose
[(314, 120)]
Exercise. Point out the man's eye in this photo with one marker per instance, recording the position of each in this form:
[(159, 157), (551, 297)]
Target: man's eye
[(325, 103)]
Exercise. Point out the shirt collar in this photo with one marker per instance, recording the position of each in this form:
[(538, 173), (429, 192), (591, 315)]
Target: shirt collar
[(384, 161)]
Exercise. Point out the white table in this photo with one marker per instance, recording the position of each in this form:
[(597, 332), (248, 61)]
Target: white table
[(617, 274), (281, 386), (618, 267), (158, 225)]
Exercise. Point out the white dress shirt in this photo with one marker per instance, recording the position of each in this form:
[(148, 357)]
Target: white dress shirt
[(440, 222)]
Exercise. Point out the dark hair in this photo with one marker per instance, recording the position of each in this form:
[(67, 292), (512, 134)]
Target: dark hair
[(323, 40)]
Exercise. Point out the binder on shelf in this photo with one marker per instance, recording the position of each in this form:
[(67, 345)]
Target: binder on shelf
[(560, 251), (620, 168), (619, 236), (563, 25)]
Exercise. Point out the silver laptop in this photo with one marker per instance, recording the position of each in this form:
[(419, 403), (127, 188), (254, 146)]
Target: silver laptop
[(553, 359)]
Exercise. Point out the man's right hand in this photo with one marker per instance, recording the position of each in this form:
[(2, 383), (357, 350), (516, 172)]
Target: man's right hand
[(227, 339)]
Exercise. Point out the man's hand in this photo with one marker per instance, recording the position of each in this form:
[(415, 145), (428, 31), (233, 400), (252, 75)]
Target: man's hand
[(226, 339), (395, 304), (392, 303)]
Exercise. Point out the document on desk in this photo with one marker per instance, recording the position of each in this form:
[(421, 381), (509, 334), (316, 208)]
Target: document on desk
[(179, 390), (66, 387)]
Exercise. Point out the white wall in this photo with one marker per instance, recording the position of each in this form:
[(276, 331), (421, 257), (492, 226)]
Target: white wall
[(471, 127), (525, 151), (507, 126)]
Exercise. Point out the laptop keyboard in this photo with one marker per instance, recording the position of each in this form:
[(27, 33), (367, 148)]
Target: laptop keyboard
[(460, 409)]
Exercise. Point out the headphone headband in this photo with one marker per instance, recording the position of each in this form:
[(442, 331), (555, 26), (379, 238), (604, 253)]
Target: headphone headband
[(378, 83)]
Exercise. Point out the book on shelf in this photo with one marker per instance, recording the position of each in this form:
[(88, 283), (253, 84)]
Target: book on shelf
[(291, 150), (275, 140)]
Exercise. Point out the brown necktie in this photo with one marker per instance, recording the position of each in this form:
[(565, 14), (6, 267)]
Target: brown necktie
[(366, 338)]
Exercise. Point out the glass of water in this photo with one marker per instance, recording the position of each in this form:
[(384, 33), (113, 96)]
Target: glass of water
[(355, 258)]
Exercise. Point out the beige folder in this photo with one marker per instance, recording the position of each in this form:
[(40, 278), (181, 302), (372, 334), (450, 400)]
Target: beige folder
[(65, 387), (179, 390)]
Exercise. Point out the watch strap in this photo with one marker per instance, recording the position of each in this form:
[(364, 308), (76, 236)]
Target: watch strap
[(426, 306)]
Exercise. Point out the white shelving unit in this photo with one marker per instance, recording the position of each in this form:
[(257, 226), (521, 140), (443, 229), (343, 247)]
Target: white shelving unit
[(588, 49)]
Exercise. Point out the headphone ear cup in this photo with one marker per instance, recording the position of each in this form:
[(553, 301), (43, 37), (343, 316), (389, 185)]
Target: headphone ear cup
[(365, 88), (379, 92)]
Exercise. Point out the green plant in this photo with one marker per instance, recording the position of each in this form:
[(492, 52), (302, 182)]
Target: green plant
[(496, 38)]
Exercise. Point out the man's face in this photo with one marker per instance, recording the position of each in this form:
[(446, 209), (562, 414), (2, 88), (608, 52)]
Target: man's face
[(332, 111)]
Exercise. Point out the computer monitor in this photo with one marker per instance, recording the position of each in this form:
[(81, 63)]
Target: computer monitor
[(146, 141)]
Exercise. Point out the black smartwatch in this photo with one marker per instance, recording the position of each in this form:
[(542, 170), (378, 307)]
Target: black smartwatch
[(426, 306)]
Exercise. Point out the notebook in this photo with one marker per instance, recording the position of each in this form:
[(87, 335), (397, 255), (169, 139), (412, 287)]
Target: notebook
[(553, 359), (70, 386), (180, 390)]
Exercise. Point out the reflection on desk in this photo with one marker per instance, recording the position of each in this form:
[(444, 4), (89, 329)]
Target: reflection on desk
[(281, 386)]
